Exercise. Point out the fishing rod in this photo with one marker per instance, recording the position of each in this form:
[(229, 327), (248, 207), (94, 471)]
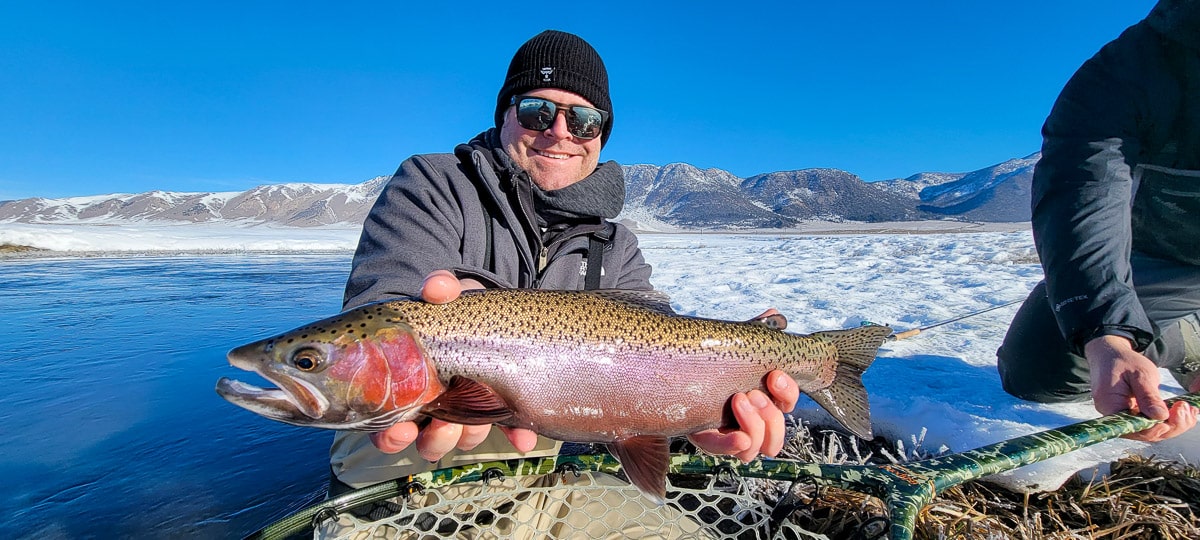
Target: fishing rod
[(910, 333)]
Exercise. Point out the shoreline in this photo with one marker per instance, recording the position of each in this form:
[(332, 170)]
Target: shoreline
[(819, 228), (170, 240)]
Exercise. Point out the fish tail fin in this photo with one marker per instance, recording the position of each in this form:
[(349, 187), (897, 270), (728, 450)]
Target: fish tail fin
[(846, 398)]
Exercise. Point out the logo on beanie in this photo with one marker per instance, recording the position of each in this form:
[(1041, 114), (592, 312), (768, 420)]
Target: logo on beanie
[(546, 72)]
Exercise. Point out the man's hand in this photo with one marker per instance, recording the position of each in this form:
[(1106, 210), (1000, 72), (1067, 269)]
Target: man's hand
[(760, 421), (1125, 379), (438, 438), (761, 428)]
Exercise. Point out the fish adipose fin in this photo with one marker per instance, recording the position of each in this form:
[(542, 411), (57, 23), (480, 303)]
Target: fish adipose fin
[(645, 459), (846, 398), (467, 401)]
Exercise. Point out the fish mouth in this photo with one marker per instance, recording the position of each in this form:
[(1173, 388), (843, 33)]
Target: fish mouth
[(270, 402), (295, 402)]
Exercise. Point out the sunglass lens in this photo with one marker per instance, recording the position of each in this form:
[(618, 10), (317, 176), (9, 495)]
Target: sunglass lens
[(585, 122), (535, 114)]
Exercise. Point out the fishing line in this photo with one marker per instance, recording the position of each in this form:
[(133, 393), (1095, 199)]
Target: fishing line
[(915, 331)]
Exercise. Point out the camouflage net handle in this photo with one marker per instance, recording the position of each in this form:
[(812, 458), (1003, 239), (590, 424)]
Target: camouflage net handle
[(906, 488), (909, 487)]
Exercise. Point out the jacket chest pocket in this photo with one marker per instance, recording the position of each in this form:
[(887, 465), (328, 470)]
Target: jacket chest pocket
[(1165, 216)]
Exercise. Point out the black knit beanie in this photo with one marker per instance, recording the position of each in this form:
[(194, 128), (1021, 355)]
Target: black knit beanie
[(554, 59)]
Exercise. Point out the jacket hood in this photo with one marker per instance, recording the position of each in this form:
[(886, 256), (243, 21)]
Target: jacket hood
[(1178, 20)]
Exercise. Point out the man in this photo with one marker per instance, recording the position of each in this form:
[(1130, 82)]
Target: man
[(522, 205), (1116, 222)]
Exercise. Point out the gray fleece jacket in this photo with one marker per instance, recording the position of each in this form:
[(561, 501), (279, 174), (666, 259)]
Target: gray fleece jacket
[(474, 212), (1120, 172), (487, 224)]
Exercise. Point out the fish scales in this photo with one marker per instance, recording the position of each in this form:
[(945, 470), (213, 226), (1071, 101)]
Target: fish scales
[(555, 357)]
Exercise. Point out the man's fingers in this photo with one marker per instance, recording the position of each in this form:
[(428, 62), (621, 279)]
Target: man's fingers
[(1145, 392), (395, 438), (721, 442), (440, 287), (523, 440), (773, 426), (1109, 400), (438, 439), (746, 410), (784, 390), (1183, 416), (472, 436)]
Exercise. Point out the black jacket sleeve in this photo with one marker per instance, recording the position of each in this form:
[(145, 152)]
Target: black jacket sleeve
[(1115, 106)]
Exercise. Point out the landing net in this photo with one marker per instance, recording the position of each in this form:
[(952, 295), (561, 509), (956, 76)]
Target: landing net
[(568, 497)]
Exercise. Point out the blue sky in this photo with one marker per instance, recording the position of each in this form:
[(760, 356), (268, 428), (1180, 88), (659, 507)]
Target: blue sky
[(223, 96)]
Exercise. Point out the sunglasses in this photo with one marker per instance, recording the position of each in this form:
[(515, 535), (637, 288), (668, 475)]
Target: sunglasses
[(538, 114)]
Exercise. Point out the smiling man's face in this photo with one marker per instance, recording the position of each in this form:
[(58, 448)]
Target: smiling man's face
[(553, 158)]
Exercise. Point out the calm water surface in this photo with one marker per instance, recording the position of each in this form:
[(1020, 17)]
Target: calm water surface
[(110, 425)]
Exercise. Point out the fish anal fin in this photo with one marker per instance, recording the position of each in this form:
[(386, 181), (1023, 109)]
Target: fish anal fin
[(645, 459), (467, 401)]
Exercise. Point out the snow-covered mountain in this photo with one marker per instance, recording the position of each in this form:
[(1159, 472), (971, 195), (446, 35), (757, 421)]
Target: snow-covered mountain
[(996, 193), (299, 205), (677, 195)]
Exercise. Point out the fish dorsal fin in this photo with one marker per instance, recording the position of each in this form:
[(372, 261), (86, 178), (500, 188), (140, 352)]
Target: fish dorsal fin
[(655, 301), (645, 459), (774, 321), (467, 401)]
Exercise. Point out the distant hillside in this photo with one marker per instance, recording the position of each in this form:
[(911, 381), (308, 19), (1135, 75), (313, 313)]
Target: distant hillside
[(677, 195)]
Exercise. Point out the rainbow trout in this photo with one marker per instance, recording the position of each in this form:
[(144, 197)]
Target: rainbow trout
[(615, 367)]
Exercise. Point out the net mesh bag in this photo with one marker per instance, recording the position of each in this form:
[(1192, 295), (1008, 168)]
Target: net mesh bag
[(568, 504)]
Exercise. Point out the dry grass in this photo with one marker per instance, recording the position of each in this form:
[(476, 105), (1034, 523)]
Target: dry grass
[(1140, 499)]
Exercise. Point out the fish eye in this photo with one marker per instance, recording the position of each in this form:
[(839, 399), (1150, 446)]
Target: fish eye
[(306, 359)]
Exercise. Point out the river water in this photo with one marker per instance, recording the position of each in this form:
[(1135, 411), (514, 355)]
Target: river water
[(110, 426)]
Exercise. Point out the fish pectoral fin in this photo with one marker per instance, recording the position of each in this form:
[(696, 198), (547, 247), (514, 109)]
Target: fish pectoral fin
[(645, 459), (470, 402)]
